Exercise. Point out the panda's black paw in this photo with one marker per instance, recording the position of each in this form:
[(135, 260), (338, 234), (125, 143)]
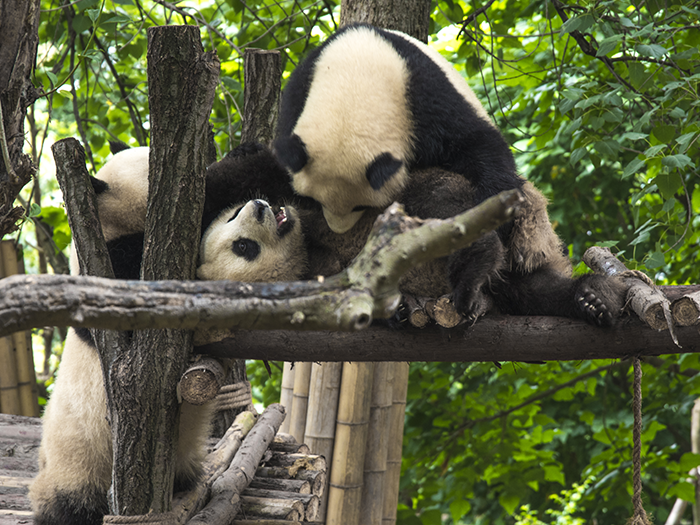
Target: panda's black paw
[(600, 299), (471, 303)]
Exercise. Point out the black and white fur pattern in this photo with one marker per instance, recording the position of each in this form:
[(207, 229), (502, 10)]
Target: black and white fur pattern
[(75, 458), (369, 106), (370, 109), (253, 242)]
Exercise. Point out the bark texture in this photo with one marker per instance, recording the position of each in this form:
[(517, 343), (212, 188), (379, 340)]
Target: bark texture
[(19, 24), (144, 377), (411, 18)]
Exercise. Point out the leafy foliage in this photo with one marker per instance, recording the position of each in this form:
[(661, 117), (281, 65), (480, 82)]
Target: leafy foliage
[(600, 101)]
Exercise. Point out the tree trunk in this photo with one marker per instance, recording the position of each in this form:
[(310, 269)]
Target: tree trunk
[(412, 18), (144, 377), (19, 25)]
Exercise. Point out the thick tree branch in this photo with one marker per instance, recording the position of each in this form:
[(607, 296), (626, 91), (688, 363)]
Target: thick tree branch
[(347, 301)]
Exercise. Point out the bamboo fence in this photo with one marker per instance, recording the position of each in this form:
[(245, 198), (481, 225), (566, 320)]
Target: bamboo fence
[(18, 390), (353, 415)]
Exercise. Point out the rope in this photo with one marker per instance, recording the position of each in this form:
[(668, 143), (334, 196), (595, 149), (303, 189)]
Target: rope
[(640, 516), (146, 519), (233, 396)]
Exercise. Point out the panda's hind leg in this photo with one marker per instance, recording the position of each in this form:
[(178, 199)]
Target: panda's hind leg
[(599, 299), (594, 298), (471, 271), (84, 507)]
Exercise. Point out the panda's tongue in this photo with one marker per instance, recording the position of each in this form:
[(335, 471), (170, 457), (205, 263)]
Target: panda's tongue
[(281, 217)]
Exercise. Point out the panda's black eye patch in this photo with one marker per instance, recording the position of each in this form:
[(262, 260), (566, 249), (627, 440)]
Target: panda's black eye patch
[(246, 248), (235, 214)]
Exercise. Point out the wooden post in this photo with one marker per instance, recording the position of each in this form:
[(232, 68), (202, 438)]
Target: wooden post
[(377, 444), (395, 446), (345, 493), (300, 400), (324, 390), (21, 342), (287, 395)]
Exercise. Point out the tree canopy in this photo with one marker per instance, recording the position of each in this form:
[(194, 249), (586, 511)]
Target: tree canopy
[(600, 101)]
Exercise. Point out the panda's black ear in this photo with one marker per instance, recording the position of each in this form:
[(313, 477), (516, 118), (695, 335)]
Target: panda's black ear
[(98, 185), (115, 146), (382, 169), (291, 152)]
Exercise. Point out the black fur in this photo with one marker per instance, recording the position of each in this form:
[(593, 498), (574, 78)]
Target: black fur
[(87, 507), (478, 275), (382, 169), (245, 173), (447, 131)]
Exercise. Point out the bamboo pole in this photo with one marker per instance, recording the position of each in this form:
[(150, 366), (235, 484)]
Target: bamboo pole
[(286, 395), (395, 446), (345, 493), (377, 444), (324, 390), (300, 400), (9, 391), (20, 345)]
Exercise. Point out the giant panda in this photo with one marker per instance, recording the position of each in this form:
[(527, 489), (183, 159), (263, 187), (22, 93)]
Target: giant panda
[(75, 457), (525, 272), (370, 108), (252, 242)]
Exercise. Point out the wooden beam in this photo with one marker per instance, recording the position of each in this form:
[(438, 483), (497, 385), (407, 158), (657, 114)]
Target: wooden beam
[(492, 338)]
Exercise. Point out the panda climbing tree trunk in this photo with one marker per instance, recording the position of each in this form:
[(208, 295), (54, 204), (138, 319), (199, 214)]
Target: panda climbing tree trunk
[(142, 387)]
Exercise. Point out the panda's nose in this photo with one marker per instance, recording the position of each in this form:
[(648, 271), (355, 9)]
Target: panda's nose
[(259, 211)]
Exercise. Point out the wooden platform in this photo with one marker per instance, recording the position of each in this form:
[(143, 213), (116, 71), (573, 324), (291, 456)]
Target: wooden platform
[(19, 448)]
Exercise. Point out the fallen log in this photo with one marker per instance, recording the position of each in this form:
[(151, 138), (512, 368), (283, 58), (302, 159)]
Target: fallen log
[(310, 501), (225, 503)]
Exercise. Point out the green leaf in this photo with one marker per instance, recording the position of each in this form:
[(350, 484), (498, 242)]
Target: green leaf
[(664, 133), (608, 45), (554, 473), (655, 260), (677, 161), (577, 155), (509, 502), (431, 517), (651, 50), (668, 183), (459, 508), (684, 491), (94, 14), (633, 167), (689, 461), (34, 210), (579, 23)]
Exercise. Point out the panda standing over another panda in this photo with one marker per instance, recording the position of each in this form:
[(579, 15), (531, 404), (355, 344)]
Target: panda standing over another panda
[(248, 242), (372, 116)]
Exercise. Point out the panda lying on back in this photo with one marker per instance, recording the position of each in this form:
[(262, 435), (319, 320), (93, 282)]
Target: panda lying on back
[(247, 242), (368, 110)]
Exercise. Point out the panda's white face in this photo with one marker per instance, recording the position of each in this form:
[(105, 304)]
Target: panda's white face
[(252, 242), (355, 128)]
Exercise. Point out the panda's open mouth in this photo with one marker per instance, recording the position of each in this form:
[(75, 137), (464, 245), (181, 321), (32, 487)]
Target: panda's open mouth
[(285, 222)]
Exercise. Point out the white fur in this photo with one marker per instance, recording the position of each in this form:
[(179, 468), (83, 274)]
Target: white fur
[(122, 208), (281, 258), (76, 448), (356, 109)]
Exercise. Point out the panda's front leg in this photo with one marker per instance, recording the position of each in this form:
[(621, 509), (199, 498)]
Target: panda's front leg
[(470, 270)]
